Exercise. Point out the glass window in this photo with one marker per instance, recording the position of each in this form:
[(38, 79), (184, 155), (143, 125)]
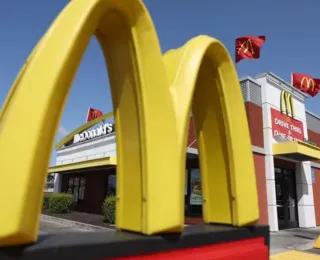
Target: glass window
[(277, 170), (76, 189), (186, 183), (111, 190), (196, 192), (76, 186), (70, 186), (82, 188)]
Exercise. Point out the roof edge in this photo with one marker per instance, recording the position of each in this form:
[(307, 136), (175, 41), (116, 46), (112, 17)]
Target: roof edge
[(273, 76)]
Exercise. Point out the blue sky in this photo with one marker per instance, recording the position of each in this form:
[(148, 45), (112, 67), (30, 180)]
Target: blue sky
[(290, 26)]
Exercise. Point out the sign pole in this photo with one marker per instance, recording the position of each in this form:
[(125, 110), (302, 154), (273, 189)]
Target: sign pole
[(87, 114)]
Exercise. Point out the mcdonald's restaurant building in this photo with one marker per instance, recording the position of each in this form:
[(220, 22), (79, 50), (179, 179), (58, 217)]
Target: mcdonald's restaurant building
[(285, 141)]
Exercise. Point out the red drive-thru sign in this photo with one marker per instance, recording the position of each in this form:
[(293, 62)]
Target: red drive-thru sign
[(286, 127)]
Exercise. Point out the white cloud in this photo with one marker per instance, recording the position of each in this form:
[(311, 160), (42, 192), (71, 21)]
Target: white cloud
[(62, 131)]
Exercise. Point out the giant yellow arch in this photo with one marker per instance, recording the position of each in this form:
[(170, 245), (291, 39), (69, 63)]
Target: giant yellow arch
[(147, 93), (130, 45), (202, 71)]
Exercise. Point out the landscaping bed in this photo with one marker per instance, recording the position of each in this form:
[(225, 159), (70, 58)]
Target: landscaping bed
[(60, 205)]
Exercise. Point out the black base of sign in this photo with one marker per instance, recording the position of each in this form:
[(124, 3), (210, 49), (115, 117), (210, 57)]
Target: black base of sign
[(105, 245)]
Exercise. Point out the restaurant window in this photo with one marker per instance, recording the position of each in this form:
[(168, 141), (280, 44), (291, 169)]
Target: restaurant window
[(76, 189), (195, 195), (82, 188), (186, 183), (76, 186), (70, 186), (196, 192)]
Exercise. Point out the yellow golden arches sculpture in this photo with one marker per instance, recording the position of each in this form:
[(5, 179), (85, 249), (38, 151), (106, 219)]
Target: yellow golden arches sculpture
[(147, 91), (202, 71)]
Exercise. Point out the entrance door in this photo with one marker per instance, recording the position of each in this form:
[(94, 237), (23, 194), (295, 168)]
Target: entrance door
[(286, 198)]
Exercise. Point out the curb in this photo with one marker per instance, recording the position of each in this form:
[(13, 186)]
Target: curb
[(302, 247), (75, 223)]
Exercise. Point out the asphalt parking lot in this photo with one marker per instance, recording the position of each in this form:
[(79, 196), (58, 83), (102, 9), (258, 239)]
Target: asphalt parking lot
[(54, 227), (284, 242)]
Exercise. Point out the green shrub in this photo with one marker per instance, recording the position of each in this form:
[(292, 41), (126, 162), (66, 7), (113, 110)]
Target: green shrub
[(109, 209), (57, 203), (45, 205)]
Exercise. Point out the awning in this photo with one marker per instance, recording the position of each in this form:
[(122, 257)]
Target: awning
[(106, 161), (297, 150)]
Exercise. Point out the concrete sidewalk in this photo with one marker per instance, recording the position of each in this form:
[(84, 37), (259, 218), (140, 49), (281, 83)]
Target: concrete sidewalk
[(298, 239), (49, 224), (285, 244)]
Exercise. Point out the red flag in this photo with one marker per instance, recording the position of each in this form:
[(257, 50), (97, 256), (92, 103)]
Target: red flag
[(93, 114), (306, 83), (248, 47)]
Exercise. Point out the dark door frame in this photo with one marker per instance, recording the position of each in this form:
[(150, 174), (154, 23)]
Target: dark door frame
[(283, 207)]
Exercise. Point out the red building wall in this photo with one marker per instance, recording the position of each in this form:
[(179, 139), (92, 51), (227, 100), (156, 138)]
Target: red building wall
[(315, 137), (192, 136), (255, 121), (260, 170), (284, 164)]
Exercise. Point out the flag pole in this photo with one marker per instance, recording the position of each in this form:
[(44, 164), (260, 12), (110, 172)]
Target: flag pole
[(235, 58), (87, 115), (236, 66)]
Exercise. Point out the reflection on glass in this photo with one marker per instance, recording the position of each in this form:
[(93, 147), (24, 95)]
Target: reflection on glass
[(291, 199), (286, 198), (277, 170), (82, 188), (111, 185), (76, 190), (279, 198), (76, 187), (186, 184), (70, 186)]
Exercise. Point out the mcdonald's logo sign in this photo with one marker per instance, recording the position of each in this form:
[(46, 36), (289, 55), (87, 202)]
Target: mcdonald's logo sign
[(309, 84), (246, 46), (287, 104), (148, 90)]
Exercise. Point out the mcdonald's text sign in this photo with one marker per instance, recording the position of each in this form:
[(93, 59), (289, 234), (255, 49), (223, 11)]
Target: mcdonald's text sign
[(104, 129), (286, 127)]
